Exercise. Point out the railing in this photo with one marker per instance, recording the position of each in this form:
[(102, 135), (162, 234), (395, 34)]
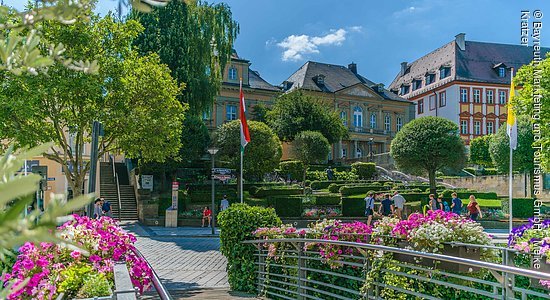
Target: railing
[(112, 159), (159, 287), (299, 273)]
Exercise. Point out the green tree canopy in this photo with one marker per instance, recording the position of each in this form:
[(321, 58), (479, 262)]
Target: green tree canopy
[(133, 97), (296, 112), (479, 151), (261, 156), (195, 138), (426, 145), (499, 148), (195, 40), (310, 147), (534, 101)]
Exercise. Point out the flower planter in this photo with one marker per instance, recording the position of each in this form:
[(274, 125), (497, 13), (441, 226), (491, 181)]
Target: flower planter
[(460, 251)]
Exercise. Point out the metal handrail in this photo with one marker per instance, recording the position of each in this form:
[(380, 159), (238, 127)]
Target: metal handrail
[(434, 256), (118, 198), (159, 287)]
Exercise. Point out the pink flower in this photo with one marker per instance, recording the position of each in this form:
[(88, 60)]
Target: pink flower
[(76, 254), (28, 264), (95, 258)]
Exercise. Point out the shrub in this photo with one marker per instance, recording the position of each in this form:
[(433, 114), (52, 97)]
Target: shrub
[(287, 206), (256, 202), (276, 191), (237, 224), (307, 183), (353, 207), (364, 170), (95, 285), (329, 199), (363, 189), (319, 185), (466, 194), (521, 207), (345, 176), (293, 168), (316, 175), (334, 188)]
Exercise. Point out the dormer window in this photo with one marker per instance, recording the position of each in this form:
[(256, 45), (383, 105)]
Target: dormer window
[(404, 89), (319, 79), (232, 73), (501, 72), (417, 83), (430, 78), (444, 72)]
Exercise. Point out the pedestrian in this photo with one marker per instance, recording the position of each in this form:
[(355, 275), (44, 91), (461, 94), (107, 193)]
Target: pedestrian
[(399, 203), (106, 208), (369, 210), (473, 209), (433, 202), (386, 206), (224, 204), (439, 203), (97, 209), (330, 173), (206, 215), (456, 205)]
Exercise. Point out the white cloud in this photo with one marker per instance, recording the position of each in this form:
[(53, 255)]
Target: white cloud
[(296, 46), (356, 28)]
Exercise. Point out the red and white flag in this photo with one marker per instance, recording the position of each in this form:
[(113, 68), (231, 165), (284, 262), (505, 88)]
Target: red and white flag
[(245, 135)]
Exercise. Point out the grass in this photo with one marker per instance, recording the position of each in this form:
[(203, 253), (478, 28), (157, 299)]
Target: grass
[(492, 203)]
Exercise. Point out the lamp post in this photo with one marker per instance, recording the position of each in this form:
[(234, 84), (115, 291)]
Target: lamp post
[(370, 150), (213, 151)]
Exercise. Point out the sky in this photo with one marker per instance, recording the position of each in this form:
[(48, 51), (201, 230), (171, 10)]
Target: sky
[(279, 36)]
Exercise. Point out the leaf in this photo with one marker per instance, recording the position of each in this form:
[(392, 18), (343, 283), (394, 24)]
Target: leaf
[(18, 187)]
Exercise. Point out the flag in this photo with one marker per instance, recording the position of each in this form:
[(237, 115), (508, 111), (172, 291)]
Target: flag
[(511, 122), (245, 135)]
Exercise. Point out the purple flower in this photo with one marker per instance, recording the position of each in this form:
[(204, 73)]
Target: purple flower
[(28, 264)]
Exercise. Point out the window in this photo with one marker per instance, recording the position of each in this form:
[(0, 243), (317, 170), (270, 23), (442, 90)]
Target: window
[(417, 83), (387, 122), (344, 117), (477, 127), (490, 127), (442, 99), (490, 96), (233, 73), (477, 95), (344, 153), (464, 95), (206, 115), (464, 126), (231, 112), (399, 123), (432, 102), (404, 89), (357, 116), (373, 120), (430, 78), (501, 72), (421, 106), (444, 72), (358, 153), (502, 95)]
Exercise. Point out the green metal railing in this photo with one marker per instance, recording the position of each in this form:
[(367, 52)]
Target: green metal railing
[(299, 273)]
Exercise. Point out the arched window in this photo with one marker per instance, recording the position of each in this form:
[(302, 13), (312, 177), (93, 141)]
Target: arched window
[(358, 153), (357, 116), (344, 117), (373, 120)]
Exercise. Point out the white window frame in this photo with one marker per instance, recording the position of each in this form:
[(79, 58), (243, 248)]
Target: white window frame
[(478, 95), (232, 73), (373, 120), (464, 126), (387, 122), (502, 97), (501, 72), (358, 153), (464, 95), (343, 153), (442, 99), (490, 96), (357, 117), (399, 123), (477, 127), (230, 112), (490, 129)]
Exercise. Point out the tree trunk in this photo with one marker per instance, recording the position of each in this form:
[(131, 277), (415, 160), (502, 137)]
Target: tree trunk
[(433, 183)]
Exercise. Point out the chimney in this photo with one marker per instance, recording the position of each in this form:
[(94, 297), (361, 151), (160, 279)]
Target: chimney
[(460, 40), (403, 68), (353, 68)]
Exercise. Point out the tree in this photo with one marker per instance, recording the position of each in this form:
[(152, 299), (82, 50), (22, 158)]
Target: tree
[(310, 147), (533, 100), (499, 148), (479, 151), (296, 112), (261, 156), (195, 39), (428, 144), (194, 138), (259, 113), (133, 97)]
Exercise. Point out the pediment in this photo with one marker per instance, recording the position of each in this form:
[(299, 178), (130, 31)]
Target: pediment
[(465, 114), (358, 90), (478, 115), (491, 115)]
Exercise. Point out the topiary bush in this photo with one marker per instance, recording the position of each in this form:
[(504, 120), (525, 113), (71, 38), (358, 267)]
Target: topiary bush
[(328, 199), (276, 191), (334, 188), (316, 175), (287, 206), (293, 168), (353, 207), (364, 170), (522, 207), (236, 225), (362, 189)]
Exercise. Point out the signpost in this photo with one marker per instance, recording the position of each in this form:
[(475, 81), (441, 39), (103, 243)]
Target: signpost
[(175, 187)]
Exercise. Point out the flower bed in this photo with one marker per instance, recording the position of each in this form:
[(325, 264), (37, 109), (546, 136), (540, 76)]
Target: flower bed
[(322, 212), (83, 267)]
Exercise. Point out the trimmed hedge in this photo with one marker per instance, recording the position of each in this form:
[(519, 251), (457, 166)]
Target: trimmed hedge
[(364, 170), (236, 225), (286, 206), (328, 199), (206, 197), (353, 207), (293, 168), (522, 207), (334, 188), (281, 191), (354, 190), (466, 194)]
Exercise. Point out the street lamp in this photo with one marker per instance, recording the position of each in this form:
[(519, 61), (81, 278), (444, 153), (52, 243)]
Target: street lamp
[(371, 155), (213, 151)]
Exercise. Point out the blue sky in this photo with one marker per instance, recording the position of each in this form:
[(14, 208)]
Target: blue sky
[(278, 36)]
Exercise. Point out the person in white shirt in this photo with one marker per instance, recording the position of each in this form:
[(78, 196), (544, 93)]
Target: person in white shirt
[(399, 204), (224, 203), (369, 209)]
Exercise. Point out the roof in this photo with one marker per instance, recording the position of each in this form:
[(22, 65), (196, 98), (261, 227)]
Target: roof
[(257, 82), (336, 77), (477, 63)]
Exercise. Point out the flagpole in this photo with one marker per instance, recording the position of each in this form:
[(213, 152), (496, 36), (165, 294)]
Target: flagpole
[(510, 179), (242, 154), (242, 148)]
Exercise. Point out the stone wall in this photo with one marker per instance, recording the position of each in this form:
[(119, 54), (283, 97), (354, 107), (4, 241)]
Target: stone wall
[(498, 184)]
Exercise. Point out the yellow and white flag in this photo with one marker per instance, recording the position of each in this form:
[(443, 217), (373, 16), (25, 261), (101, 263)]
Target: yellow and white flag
[(511, 122)]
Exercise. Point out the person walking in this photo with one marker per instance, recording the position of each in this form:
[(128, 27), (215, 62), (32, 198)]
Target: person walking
[(433, 202), (386, 207), (206, 215), (106, 208), (224, 204), (456, 205), (439, 203), (473, 209), (369, 210), (399, 204), (98, 212)]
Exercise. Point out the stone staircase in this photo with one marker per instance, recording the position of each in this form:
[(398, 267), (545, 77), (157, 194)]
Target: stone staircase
[(128, 211)]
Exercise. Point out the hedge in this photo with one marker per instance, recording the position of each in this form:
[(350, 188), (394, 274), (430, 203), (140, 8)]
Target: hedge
[(328, 199), (353, 207), (364, 170), (521, 207), (466, 194), (293, 168), (362, 189), (236, 225), (286, 206), (280, 191), (206, 197)]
